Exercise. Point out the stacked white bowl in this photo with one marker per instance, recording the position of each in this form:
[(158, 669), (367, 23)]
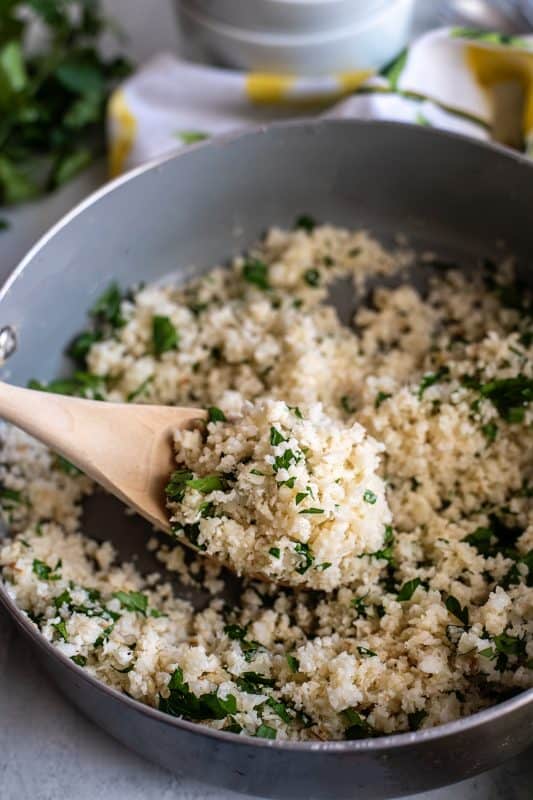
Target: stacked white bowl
[(295, 36)]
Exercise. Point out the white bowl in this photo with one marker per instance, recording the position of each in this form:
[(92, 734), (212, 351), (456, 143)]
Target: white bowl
[(368, 44), (285, 16)]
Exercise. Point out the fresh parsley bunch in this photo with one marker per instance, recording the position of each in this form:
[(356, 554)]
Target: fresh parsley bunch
[(53, 98)]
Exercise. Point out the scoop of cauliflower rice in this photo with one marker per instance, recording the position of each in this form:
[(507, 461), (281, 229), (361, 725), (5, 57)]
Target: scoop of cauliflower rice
[(285, 492)]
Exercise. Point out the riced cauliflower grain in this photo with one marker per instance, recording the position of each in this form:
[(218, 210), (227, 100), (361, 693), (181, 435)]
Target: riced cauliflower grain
[(425, 613), (283, 492)]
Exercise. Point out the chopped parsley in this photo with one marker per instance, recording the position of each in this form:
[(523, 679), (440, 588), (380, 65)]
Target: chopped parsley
[(215, 414), (490, 431), (285, 461), (140, 390), (311, 511), (275, 552), (107, 307), (416, 718), (181, 702), (364, 651), (276, 437), (380, 398), (164, 335), (44, 572), (431, 378), (370, 497), (256, 272), (133, 601), (175, 489), (210, 483), (509, 396), (265, 732), (79, 348), (81, 661), (306, 222), (408, 589), (293, 663), (9, 497), (253, 682), (307, 557), (296, 411), (61, 629), (356, 726), (454, 607), (312, 277), (347, 404), (299, 497)]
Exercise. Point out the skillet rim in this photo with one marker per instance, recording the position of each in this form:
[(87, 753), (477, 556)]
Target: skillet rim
[(371, 745)]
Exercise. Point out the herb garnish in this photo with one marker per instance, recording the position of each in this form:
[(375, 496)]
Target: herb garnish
[(265, 732), (53, 97), (307, 557), (408, 589), (133, 601), (454, 607), (430, 379), (181, 702), (312, 277), (380, 398), (357, 726), (44, 572), (164, 335), (256, 272), (370, 497), (215, 414), (306, 222)]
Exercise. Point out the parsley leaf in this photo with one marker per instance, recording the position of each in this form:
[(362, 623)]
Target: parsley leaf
[(370, 497), (265, 732), (133, 601), (454, 607), (215, 414), (256, 272), (430, 379), (307, 557), (164, 335), (408, 589)]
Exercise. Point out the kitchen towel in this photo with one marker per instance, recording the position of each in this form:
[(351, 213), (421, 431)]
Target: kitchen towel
[(460, 80)]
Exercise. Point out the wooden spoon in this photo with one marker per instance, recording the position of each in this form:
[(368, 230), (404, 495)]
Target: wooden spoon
[(126, 448)]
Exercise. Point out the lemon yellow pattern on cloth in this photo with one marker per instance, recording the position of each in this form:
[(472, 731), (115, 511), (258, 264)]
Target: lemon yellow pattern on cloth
[(450, 79)]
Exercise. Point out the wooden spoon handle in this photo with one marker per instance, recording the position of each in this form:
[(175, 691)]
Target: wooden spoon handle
[(126, 448)]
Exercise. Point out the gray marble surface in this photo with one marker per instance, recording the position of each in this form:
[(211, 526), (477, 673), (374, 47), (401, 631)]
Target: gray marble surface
[(48, 750)]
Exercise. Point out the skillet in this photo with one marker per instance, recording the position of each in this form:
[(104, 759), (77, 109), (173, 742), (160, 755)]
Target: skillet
[(448, 194)]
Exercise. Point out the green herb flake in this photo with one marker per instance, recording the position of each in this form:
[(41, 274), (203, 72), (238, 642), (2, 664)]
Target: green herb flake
[(489, 431), (181, 702), (9, 497), (207, 484), (454, 607), (140, 390), (312, 278), (293, 663), (415, 719), (356, 726), (365, 652), (276, 437), (430, 379), (307, 557), (107, 307), (347, 404), (370, 497), (175, 488), (312, 511), (192, 137), (275, 552), (380, 398), (265, 732), (235, 631), (256, 272), (305, 222), (81, 661), (408, 589), (164, 335), (253, 682), (133, 601), (61, 629), (280, 708), (214, 414), (44, 572), (80, 347)]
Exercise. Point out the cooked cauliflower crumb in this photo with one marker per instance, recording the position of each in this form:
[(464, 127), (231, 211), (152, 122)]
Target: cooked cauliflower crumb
[(437, 621), (283, 492)]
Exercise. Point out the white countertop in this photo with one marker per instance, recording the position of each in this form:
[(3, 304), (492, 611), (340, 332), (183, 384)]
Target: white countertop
[(48, 750)]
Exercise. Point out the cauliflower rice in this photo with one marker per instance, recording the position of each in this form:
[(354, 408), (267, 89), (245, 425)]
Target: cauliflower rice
[(424, 402)]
